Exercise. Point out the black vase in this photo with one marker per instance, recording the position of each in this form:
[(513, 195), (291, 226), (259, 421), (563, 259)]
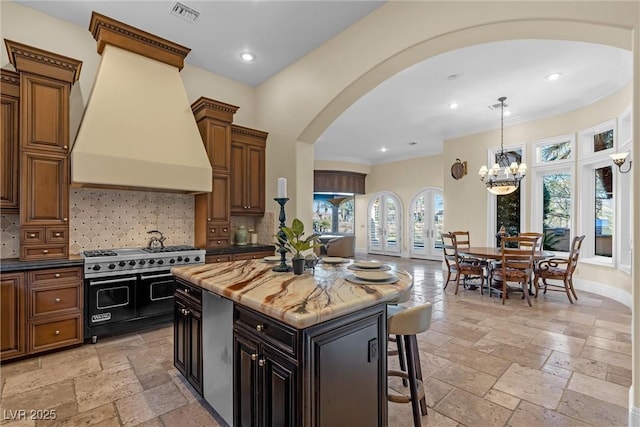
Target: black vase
[(298, 265)]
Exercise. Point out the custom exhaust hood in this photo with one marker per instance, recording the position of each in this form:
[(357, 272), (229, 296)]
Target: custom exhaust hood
[(138, 130)]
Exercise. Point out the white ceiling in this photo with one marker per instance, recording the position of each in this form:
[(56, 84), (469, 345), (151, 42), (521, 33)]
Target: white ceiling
[(412, 106)]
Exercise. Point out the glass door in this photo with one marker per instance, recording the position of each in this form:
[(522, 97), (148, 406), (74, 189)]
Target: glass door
[(385, 232), (427, 216)]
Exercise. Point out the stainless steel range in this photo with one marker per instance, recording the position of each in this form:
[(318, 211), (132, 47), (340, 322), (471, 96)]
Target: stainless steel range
[(131, 289)]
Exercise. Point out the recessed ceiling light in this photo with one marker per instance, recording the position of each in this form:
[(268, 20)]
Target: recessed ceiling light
[(412, 143), (247, 56), (507, 113), (383, 149), (554, 76), (452, 77), (453, 105)]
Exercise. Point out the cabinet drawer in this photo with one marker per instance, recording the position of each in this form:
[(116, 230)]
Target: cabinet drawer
[(57, 235), (218, 243), (251, 255), (32, 253), (189, 292), (32, 235), (55, 275), (60, 332), (218, 231), (278, 335), (217, 258), (55, 299)]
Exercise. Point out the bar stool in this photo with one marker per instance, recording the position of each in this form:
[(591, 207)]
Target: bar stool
[(405, 324)]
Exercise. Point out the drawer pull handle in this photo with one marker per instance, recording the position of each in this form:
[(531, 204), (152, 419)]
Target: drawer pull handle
[(259, 328), (208, 219), (254, 257), (65, 147), (261, 362), (32, 235), (56, 275), (186, 291), (213, 230), (57, 332), (45, 251), (57, 300), (217, 259), (219, 242), (254, 356), (57, 235), (224, 230), (65, 219)]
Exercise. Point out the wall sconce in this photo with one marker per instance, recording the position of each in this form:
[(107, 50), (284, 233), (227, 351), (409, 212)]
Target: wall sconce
[(619, 159)]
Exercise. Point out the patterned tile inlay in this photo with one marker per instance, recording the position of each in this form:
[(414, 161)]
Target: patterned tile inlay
[(10, 236)]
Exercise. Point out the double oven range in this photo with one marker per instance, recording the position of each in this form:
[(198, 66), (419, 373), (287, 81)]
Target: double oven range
[(131, 289)]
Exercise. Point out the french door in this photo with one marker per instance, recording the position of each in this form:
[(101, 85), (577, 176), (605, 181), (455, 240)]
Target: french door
[(427, 215), (384, 225)]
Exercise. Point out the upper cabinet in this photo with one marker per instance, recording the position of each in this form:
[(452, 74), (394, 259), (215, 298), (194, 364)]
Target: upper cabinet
[(9, 142), (45, 84), (328, 181), (248, 149), (212, 215)]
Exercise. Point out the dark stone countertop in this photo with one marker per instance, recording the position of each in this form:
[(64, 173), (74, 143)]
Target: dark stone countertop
[(14, 264), (241, 249)]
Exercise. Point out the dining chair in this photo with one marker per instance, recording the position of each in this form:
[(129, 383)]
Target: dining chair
[(460, 266), (516, 265), (538, 236), (559, 269)]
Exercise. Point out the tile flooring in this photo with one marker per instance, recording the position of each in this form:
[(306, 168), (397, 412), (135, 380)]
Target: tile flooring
[(484, 364)]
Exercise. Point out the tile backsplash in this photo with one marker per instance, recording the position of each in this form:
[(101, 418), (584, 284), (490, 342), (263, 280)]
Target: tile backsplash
[(102, 219)]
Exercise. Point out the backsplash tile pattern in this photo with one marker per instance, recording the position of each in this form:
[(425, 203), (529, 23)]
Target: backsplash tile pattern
[(10, 236), (102, 219)]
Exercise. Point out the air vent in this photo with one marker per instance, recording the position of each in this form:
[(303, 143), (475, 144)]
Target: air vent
[(497, 106), (185, 12)]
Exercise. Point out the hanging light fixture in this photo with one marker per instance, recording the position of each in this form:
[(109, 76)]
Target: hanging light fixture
[(504, 177)]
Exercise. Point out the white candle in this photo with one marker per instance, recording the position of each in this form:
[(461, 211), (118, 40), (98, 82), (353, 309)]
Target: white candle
[(282, 188)]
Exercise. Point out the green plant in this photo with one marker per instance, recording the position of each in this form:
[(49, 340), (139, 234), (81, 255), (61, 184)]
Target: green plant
[(294, 241)]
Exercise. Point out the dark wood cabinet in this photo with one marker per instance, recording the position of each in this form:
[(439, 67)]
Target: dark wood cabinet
[(45, 84), (9, 141), (329, 181), (212, 212), (248, 152), (13, 312), (188, 334), (265, 378)]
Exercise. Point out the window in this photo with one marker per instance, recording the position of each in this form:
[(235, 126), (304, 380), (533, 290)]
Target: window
[(333, 213), (604, 208), (507, 210)]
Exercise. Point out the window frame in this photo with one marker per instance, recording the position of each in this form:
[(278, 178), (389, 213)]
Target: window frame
[(624, 204), (539, 143), (585, 140)]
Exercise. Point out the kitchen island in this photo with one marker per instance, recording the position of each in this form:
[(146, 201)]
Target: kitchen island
[(280, 349)]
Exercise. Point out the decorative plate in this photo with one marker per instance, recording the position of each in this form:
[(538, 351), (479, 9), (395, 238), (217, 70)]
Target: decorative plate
[(368, 264), (334, 260), (382, 268), (273, 258), (458, 169), (353, 279), (374, 276)]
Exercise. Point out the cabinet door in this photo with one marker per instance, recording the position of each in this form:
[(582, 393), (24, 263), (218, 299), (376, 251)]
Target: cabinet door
[(237, 196), (218, 135), (13, 316), (44, 189), (44, 114), (194, 352), (279, 384), (180, 343), (219, 202), (255, 180), (245, 377), (9, 154)]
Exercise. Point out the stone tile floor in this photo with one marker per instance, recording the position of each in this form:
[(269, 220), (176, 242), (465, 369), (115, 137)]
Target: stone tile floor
[(484, 364)]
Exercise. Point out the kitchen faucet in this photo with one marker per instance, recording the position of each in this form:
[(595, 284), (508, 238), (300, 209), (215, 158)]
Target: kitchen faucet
[(156, 242)]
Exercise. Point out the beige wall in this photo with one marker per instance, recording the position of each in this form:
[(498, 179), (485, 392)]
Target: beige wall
[(466, 201), (341, 166)]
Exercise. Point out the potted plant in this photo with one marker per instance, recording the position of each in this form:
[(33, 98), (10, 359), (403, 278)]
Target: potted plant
[(295, 243)]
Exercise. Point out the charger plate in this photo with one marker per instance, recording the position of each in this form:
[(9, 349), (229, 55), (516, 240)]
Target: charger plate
[(333, 260), (368, 264), (353, 279), (384, 267), (373, 276)]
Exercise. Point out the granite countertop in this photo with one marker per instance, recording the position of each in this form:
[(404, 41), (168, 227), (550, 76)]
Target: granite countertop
[(234, 249), (299, 301), (14, 264)]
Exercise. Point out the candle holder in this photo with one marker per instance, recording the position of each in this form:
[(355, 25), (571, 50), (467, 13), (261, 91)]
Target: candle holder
[(283, 267)]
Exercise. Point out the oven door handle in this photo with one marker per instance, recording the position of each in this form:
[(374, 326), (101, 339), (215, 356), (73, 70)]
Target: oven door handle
[(102, 282), (155, 276)]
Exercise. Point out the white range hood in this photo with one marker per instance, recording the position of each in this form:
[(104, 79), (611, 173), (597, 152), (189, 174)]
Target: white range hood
[(138, 130)]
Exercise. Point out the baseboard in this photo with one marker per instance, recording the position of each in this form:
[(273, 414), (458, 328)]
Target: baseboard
[(634, 411), (604, 290)]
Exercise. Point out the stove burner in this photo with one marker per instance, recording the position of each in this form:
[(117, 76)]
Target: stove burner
[(177, 248), (99, 252)]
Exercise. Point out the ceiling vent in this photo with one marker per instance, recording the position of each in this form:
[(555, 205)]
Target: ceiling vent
[(497, 106), (185, 12)]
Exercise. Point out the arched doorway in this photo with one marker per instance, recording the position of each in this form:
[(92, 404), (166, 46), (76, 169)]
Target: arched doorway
[(426, 216), (384, 225)]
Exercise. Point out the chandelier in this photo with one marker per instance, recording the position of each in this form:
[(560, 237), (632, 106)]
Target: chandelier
[(504, 176)]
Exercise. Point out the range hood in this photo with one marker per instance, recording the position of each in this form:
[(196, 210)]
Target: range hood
[(138, 130)]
